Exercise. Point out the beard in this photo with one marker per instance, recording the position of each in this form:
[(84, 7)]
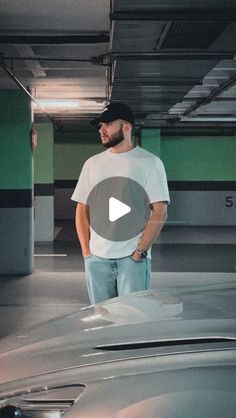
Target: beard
[(115, 139)]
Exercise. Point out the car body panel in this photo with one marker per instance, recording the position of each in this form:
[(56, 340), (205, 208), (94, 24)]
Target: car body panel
[(150, 351)]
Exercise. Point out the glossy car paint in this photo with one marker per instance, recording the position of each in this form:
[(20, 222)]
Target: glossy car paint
[(167, 353)]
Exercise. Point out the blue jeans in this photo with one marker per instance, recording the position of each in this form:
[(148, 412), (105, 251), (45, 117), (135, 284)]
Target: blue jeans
[(108, 278)]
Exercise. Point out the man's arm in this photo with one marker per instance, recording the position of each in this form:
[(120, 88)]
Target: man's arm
[(153, 228), (82, 227)]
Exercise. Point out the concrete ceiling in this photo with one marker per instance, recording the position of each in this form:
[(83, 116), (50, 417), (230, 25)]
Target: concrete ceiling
[(173, 62)]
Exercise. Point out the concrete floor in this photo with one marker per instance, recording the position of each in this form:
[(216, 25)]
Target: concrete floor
[(57, 285), (178, 249)]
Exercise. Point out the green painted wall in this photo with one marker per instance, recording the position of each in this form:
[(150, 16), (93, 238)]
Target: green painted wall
[(192, 158), (150, 140), (43, 154), (15, 150), (72, 149), (199, 158)]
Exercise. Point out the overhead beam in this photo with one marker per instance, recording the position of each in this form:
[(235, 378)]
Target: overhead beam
[(98, 60), (127, 56), (210, 118), (176, 15), (55, 39), (147, 83), (37, 58), (146, 100), (215, 99), (159, 95), (191, 79), (170, 55)]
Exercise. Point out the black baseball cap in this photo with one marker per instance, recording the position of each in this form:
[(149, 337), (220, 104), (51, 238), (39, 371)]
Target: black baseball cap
[(115, 111)]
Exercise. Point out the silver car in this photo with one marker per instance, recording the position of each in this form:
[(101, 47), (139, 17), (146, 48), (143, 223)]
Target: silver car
[(169, 353)]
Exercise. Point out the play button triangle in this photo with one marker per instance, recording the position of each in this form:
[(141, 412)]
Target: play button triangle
[(117, 209)]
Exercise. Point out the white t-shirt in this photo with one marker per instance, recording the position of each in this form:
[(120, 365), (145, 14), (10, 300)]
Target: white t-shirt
[(137, 164)]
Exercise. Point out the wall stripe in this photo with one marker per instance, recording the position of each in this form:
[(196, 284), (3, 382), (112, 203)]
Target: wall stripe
[(44, 189), (16, 198), (173, 185), (65, 184), (202, 185)]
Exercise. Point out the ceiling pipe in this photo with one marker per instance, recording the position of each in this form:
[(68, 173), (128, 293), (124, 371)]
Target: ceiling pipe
[(34, 58), (203, 14), (98, 60), (210, 97), (170, 55), (55, 39)]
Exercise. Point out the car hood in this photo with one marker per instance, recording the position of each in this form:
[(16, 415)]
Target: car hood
[(139, 325)]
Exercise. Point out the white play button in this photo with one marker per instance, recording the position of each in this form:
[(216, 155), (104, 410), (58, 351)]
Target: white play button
[(117, 209)]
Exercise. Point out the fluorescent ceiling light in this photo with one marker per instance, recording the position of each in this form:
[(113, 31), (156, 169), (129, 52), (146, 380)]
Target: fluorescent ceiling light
[(57, 103)]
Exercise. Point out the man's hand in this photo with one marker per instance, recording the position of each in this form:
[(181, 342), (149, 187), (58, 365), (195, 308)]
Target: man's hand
[(86, 254), (136, 256), (155, 224)]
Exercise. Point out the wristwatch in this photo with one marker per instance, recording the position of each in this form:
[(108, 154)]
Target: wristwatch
[(143, 253)]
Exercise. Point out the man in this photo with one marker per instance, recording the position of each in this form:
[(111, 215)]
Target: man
[(118, 267)]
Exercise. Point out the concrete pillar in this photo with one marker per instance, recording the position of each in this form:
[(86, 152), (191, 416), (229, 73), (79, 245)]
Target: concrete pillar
[(44, 183), (16, 184)]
